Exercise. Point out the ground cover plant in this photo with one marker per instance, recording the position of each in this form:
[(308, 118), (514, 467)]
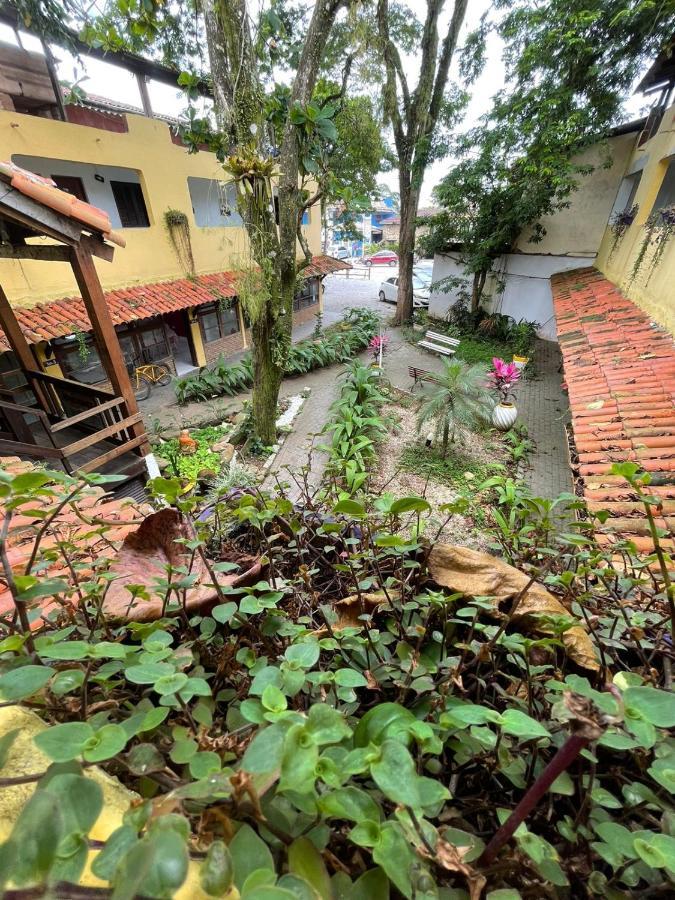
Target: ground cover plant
[(189, 466), (338, 344), (353, 724)]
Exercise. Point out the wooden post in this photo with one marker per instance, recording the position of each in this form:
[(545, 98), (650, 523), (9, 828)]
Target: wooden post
[(21, 348), (105, 336), (145, 94)]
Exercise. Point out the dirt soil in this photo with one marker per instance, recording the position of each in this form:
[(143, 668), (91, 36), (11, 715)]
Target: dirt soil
[(482, 449)]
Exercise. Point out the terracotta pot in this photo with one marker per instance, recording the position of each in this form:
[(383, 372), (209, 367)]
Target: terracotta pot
[(504, 415)]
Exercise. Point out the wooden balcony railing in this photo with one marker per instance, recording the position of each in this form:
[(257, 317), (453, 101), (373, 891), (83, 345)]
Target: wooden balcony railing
[(82, 427)]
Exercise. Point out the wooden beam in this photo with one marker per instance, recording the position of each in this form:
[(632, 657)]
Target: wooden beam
[(105, 458), (107, 342), (47, 252), (17, 207), (15, 336), (96, 436), (94, 244), (87, 414)]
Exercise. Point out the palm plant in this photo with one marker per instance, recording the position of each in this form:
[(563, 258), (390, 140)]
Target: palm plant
[(456, 402)]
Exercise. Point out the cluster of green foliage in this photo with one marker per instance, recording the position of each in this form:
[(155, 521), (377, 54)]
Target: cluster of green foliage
[(188, 466), (457, 402), (295, 754), (483, 335), (569, 64), (335, 346), (355, 427)]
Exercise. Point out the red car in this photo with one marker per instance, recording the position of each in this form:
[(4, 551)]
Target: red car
[(382, 258)]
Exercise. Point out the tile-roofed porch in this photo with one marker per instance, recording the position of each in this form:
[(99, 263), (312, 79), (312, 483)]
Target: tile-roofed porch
[(620, 374), (59, 318)]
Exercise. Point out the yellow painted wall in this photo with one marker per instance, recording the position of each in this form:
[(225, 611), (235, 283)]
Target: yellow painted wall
[(163, 167), (654, 292), (578, 229)]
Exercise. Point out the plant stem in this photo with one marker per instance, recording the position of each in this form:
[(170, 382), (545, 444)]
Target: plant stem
[(561, 761)]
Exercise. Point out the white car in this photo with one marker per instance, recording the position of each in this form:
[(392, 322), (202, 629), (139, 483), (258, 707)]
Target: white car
[(389, 291)]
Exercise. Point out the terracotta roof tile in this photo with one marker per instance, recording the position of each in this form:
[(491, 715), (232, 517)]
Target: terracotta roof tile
[(59, 318), (93, 502), (620, 376), (45, 191)]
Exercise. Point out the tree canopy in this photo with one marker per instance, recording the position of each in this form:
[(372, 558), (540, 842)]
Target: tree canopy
[(569, 64)]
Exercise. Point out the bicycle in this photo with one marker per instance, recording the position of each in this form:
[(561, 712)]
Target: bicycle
[(144, 377)]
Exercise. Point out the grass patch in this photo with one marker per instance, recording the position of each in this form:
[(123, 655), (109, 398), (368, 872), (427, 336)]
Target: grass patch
[(451, 470), (482, 350)]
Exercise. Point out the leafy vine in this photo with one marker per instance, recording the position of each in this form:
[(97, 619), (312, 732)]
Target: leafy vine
[(659, 229), (619, 225)]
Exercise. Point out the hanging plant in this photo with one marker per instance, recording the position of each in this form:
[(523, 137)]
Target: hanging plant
[(659, 228), (619, 225), (83, 349), (179, 233)]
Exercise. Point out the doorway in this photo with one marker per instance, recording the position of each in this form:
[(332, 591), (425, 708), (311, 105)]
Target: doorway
[(180, 341)]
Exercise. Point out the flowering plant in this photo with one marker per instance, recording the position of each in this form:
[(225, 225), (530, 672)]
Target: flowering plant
[(376, 343), (503, 378)]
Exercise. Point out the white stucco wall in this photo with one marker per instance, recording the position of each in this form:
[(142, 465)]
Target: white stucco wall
[(527, 292)]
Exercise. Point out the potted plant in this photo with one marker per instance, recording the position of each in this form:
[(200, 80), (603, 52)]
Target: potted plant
[(377, 346), (503, 378)]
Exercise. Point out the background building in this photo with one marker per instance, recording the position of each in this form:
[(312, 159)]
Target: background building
[(171, 289)]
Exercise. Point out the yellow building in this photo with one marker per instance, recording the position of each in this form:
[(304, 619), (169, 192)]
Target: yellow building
[(636, 254), (170, 289)]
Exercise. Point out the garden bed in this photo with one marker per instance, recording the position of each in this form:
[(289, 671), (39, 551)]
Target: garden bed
[(406, 466)]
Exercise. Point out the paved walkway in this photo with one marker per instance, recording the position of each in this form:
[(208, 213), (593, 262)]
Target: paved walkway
[(543, 407), (541, 402)]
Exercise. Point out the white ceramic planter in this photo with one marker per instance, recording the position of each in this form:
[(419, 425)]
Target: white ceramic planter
[(504, 415)]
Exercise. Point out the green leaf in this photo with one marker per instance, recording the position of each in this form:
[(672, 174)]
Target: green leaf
[(273, 699), (395, 774), (6, 742), (148, 673), (170, 684), (264, 752), (66, 681), (386, 720), (657, 707), (217, 871), (350, 678), (649, 854), (366, 833), (224, 612), (155, 866), (24, 682), (395, 855), (305, 861), (409, 504), (372, 885), (35, 838), (107, 742), (249, 853), (183, 750), (145, 758), (522, 726), (327, 725), (118, 844), (204, 763), (46, 587), (62, 743), (66, 650), (80, 802), (351, 803), (350, 508), (304, 655), (299, 759)]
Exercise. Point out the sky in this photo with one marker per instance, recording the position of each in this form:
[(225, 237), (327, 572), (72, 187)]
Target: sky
[(115, 83)]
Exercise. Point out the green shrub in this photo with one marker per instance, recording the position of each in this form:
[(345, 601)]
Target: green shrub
[(335, 347)]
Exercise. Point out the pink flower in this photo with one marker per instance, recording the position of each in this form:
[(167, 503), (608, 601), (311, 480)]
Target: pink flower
[(503, 377)]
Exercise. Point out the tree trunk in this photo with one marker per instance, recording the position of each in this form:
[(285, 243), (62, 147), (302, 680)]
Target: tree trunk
[(406, 254), (267, 377), (446, 439), (477, 290)]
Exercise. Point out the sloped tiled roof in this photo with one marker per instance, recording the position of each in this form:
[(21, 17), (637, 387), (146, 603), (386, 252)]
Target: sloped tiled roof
[(45, 191), (78, 521), (59, 318), (620, 374)]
